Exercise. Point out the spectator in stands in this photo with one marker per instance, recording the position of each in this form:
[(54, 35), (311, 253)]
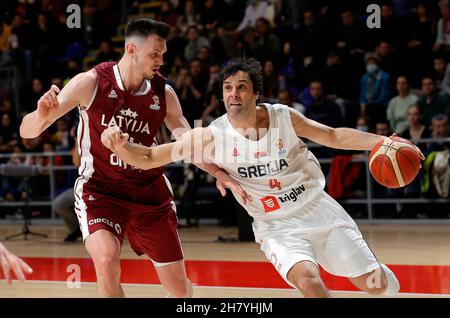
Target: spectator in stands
[(62, 135), (212, 14), (419, 43), (267, 44), (200, 75), (63, 204), (388, 59), (5, 33), (45, 48), (106, 53), (205, 57), (393, 30), (12, 187), (442, 42), (439, 129), (6, 107), (175, 45), (398, 106), (213, 82), (9, 136), (213, 110), (383, 128), (33, 94), (190, 97), (255, 9), (363, 124), (339, 80), (196, 41), (351, 36), (416, 129), (431, 102), (375, 90), (285, 97), (323, 110), (310, 42), (272, 82), (167, 13), (190, 17), (439, 68), (445, 88)]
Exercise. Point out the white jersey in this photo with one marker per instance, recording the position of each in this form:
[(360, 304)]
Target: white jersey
[(279, 172)]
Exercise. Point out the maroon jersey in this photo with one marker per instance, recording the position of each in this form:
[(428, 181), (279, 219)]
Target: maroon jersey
[(139, 114)]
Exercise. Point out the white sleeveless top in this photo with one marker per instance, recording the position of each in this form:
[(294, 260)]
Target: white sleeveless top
[(278, 171)]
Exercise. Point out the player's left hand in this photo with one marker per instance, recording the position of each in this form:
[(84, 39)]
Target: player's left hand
[(225, 181), (113, 138), (422, 157)]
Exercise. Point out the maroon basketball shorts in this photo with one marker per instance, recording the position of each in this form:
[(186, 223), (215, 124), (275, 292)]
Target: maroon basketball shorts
[(145, 213)]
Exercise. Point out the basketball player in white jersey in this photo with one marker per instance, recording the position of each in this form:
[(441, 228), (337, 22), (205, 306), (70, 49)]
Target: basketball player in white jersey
[(298, 225)]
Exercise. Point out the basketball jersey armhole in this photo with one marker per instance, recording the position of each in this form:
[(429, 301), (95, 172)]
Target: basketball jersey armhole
[(92, 98), (288, 120)]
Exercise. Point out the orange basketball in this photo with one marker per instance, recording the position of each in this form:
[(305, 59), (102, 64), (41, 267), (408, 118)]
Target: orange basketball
[(394, 162)]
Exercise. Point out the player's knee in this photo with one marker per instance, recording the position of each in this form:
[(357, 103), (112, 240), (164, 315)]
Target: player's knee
[(107, 264), (310, 285), (182, 290)]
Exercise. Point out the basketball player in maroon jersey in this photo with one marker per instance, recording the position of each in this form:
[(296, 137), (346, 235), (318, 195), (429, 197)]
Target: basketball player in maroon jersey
[(113, 198)]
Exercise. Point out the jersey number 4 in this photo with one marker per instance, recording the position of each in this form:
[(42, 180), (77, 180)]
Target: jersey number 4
[(274, 183)]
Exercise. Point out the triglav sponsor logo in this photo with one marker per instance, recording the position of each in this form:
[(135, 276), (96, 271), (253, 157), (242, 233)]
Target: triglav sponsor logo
[(293, 195), (270, 203)]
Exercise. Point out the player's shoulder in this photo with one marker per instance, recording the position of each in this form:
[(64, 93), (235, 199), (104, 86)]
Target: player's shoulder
[(219, 123), (86, 79), (274, 107)]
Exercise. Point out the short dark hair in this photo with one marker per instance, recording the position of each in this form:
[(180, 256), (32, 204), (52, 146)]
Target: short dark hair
[(250, 66), (144, 27)]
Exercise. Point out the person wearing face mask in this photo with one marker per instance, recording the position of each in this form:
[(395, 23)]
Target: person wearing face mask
[(375, 90)]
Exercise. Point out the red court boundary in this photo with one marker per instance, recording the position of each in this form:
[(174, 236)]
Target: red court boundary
[(428, 279)]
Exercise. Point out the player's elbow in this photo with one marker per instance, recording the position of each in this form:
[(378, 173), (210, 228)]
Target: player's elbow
[(25, 132)]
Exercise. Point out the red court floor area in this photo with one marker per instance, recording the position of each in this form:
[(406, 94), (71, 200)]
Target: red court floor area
[(427, 279)]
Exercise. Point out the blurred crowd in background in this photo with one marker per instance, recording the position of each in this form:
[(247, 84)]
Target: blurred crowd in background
[(318, 56)]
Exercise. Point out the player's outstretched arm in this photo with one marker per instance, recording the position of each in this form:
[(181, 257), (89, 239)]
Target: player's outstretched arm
[(178, 125), (55, 103), (151, 157), (340, 138), (11, 263)]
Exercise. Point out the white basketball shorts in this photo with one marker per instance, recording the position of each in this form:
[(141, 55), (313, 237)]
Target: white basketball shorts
[(326, 236)]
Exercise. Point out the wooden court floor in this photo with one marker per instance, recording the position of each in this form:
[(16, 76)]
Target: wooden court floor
[(418, 254)]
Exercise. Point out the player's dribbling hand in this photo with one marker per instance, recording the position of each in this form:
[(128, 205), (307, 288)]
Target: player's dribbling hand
[(47, 102), (10, 262), (113, 138), (422, 157), (225, 181)]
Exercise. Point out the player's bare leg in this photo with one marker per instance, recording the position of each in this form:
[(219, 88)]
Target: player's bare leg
[(378, 282), (104, 249), (174, 279), (305, 276)]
